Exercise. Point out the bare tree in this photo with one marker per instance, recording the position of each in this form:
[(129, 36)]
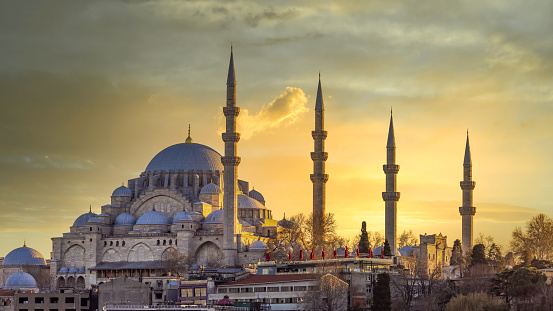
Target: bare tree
[(174, 262), (407, 239), (330, 294), (538, 238)]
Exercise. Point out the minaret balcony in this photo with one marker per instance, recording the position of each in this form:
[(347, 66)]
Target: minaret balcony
[(232, 137), (319, 134), (467, 185), (390, 196), (467, 210), (319, 156), (230, 161), (231, 111), (315, 178), (391, 168)]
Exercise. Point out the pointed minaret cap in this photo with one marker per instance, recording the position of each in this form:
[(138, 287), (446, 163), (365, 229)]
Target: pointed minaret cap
[(319, 103), (468, 161), (391, 138), (231, 80), (188, 139)]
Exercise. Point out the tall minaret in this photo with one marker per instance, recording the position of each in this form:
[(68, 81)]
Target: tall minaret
[(467, 211), (230, 162), (391, 196), (319, 156)]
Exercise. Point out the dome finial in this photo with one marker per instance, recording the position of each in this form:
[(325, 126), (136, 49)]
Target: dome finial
[(90, 208), (188, 139), (24, 243)]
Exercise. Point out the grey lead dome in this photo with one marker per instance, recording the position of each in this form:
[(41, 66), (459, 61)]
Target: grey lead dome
[(20, 280), (186, 157), (24, 256)]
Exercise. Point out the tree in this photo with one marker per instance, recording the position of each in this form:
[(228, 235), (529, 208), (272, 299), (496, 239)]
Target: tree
[(382, 300), (301, 235), (537, 239), (364, 239), (376, 239), (456, 253), (478, 301), (525, 282), (478, 255), (174, 262), (330, 294), (407, 239), (387, 249)]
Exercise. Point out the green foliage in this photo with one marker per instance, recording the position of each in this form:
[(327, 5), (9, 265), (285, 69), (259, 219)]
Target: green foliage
[(382, 300), (364, 239), (525, 282), (456, 253), (476, 302), (387, 249), (478, 255)]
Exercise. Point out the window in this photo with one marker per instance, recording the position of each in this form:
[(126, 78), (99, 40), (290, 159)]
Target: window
[(260, 289), (23, 299), (221, 290), (246, 290), (170, 242), (54, 299), (84, 302), (123, 243), (53, 310), (234, 290), (200, 292), (105, 243), (39, 299), (110, 243), (158, 242), (90, 228), (164, 242), (300, 288), (286, 289), (69, 299), (159, 283), (186, 292), (273, 289)]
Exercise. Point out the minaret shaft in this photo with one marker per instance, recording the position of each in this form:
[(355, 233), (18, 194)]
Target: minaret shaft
[(319, 178), (467, 211), (230, 162), (391, 196)]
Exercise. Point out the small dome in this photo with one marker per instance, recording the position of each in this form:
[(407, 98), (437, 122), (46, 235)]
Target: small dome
[(104, 215), (82, 220), (153, 218), (216, 217), (196, 216), (122, 192), (74, 270), (182, 217), (125, 219), (63, 270), (256, 195), (94, 220), (24, 256), (82, 269), (406, 251), (211, 188), (285, 223), (20, 280), (247, 202), (258, 246), (377, 251)]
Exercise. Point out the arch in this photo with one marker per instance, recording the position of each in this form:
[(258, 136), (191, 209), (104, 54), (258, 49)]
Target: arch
[(140, 252), (61, 282), (74, 256), (70, 282), (168, 203), (209, 254), (169, 253), (80, 283), (111, 255)]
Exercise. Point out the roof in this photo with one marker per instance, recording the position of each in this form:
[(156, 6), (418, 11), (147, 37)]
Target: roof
[(231, 79), (20, 279), (186, 157), (254, 194), (467, 161), (391, 137), (319, 102), (244, 201), (211, 188), (278, 278), (122, 192), (153, 218), (82, 220), (24, 256), (123, 265)]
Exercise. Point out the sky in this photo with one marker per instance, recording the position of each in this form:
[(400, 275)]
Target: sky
[(91, 91)]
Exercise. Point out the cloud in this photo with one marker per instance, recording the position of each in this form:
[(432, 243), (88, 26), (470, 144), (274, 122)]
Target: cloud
[(286, 109), (271, 14)]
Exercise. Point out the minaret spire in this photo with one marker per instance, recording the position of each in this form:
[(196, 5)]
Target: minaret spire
[(230, 162), (467, 211), (391, 196), (319, 178)]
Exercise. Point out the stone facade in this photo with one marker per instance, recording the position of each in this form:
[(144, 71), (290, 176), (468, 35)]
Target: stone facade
[(319, 157), (467, 211), (433, 251), (391, 196)]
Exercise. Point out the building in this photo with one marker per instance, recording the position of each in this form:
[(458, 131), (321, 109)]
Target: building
[(52, 301), (467, 211), (433, 251), (187, 203), (124, 292), (28, 260)]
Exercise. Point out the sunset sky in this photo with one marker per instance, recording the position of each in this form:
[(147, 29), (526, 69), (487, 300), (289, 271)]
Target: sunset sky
[(91, 91)]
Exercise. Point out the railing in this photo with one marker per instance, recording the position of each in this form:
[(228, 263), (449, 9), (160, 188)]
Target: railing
[(145, 234), (210, 232)]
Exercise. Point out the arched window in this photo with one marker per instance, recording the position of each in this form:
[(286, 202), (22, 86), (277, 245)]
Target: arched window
[(158, 242), (164, 242), (105, 243), (170, 242), (123, 243), (117, 243), (110, 243), (90, 228)]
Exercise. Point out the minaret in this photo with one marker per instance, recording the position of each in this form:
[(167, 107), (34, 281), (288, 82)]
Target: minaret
[(467, 211), (319, 178), (391, 196), (230, 162)]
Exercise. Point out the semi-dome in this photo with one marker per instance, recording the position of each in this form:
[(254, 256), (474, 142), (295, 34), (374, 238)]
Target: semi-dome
[(247, 202), (20, 280), (254, 194), (82, 269), (211, 188), (182, 217), (24, 256), (153, 218), (64, 270), (186, 157), (125, 219), (122, 192), (73, 270), (82, 220), (215, 217), (258, 246)]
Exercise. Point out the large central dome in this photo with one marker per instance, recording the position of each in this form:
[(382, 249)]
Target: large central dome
[(186, 157)]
